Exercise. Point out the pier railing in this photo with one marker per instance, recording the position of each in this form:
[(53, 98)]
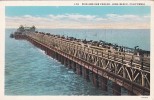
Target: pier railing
[(126, 69)]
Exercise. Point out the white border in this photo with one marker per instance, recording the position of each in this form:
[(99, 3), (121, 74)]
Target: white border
[(66, 3)]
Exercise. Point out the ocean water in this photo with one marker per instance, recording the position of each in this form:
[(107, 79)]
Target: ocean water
[(29, 71)]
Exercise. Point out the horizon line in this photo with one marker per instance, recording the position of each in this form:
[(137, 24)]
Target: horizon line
[(83, 28)]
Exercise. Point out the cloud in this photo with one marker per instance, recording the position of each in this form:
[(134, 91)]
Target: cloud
[(128, 18), (27, 16), (73, 17), (80, 21)]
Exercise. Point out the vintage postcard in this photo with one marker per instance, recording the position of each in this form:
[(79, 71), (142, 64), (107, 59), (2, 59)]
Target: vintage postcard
[(76, 49)]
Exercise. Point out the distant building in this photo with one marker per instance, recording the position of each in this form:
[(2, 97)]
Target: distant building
[(22, 29)]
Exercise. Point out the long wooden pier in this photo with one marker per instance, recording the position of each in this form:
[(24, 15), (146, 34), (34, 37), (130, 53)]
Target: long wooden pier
[(124, 69)]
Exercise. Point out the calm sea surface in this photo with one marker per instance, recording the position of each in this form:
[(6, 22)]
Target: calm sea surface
[(28, 71)]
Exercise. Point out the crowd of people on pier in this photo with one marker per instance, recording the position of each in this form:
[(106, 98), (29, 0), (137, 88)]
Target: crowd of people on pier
[(136, 50), (113, 47)]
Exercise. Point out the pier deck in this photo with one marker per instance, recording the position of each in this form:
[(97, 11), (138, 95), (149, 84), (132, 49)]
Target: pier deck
[(124, 69)]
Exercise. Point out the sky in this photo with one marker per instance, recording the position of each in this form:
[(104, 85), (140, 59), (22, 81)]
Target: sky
[(79, 17)]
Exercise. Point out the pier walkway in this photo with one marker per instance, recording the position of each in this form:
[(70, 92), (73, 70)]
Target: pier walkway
[(123, 68)]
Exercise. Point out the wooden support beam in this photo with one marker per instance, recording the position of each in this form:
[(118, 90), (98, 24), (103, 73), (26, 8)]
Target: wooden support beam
[(116, 89), (104, 84)]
